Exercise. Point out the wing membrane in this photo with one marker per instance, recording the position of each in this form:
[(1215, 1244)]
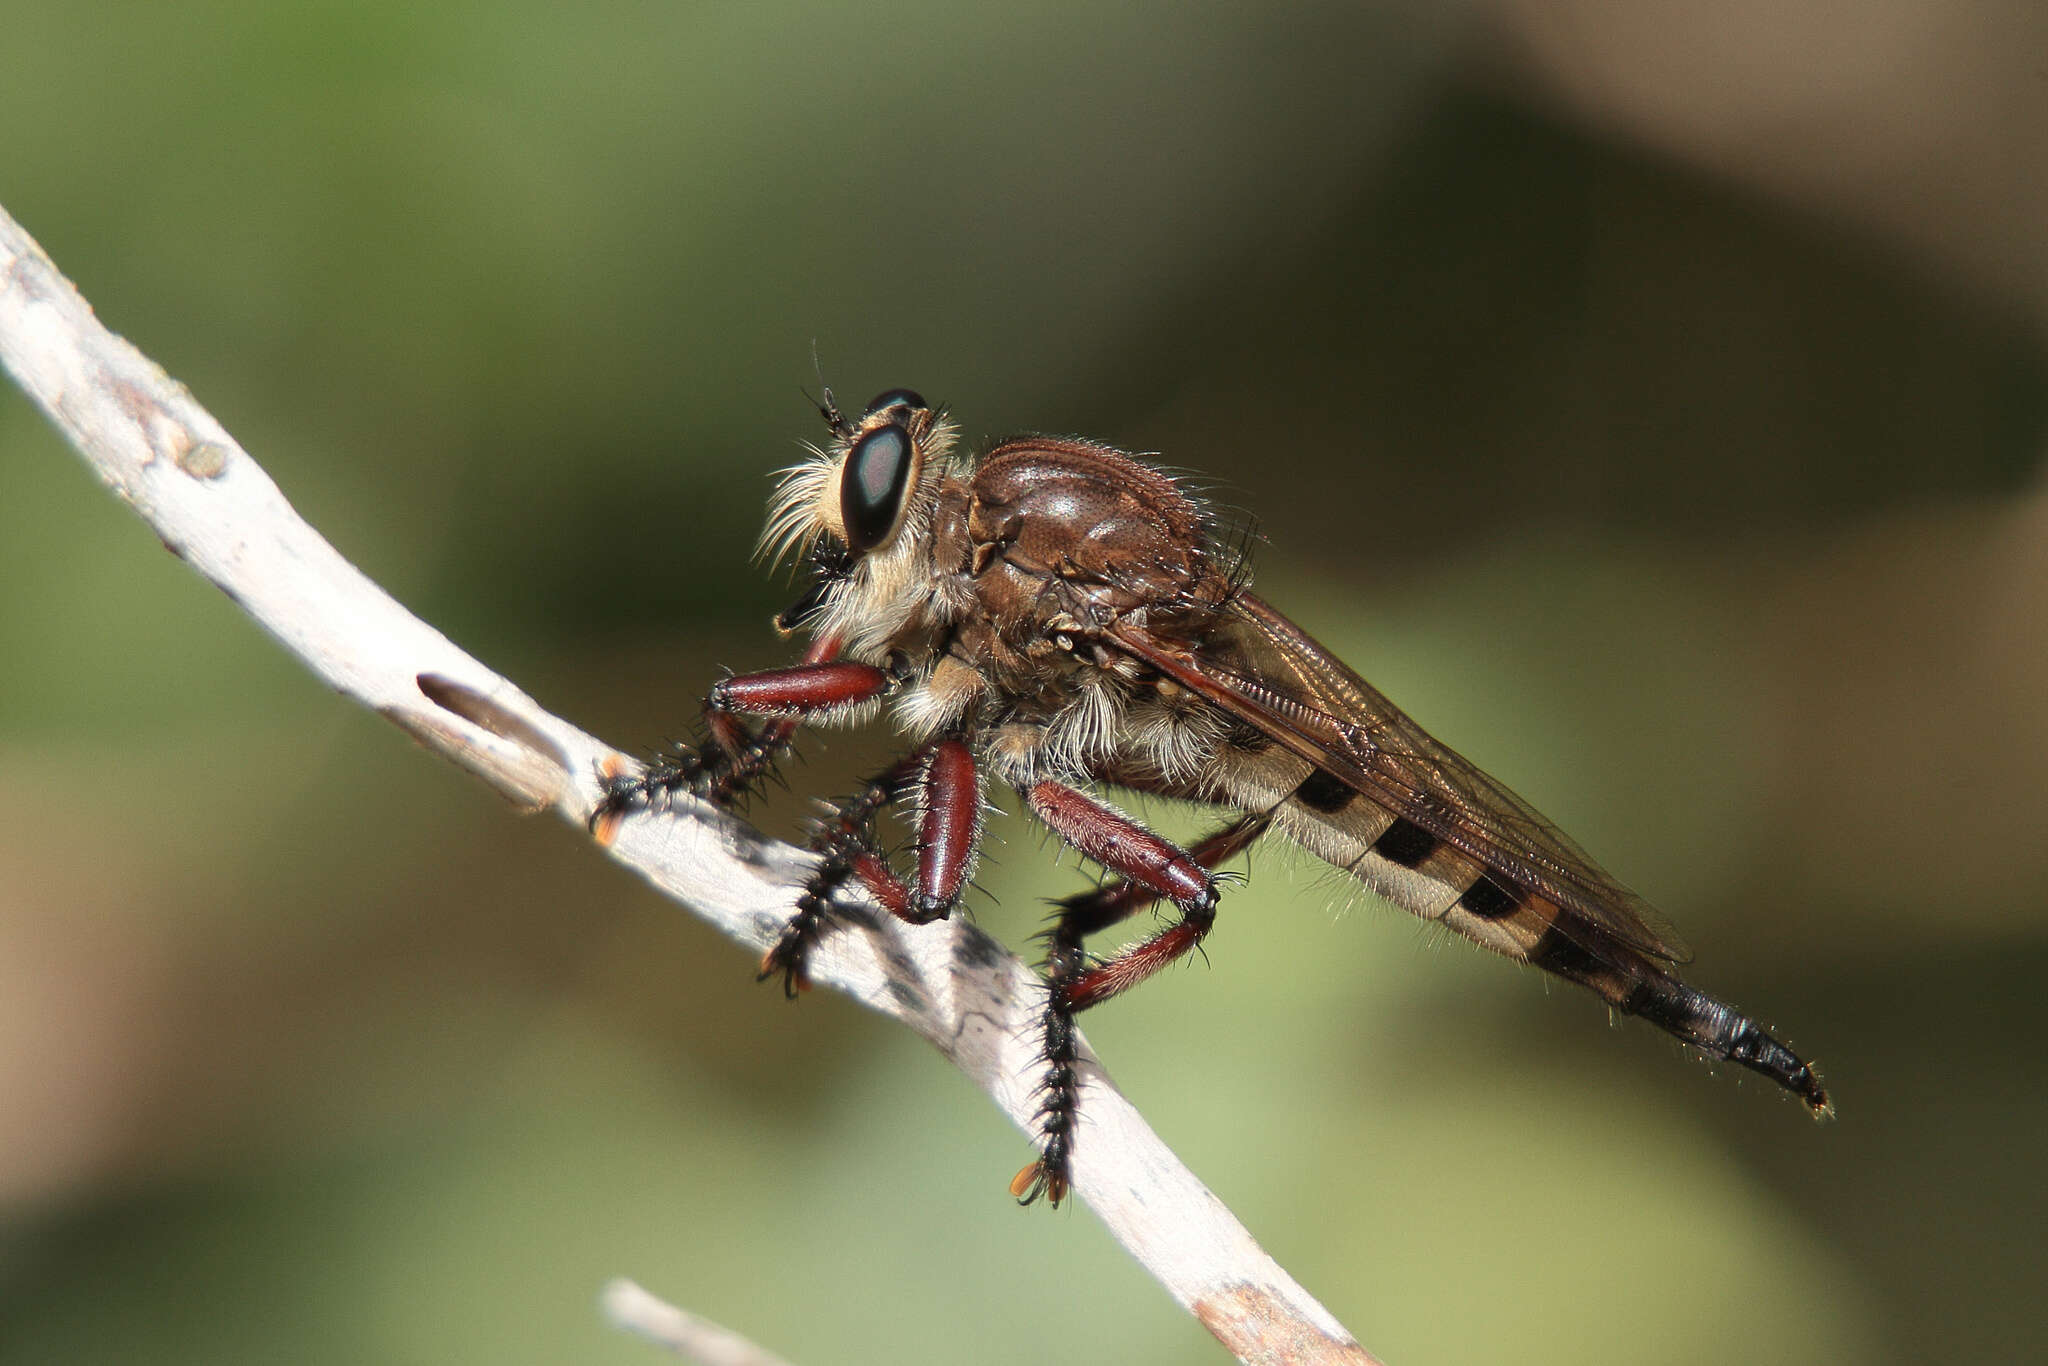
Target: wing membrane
[(1269, 673)]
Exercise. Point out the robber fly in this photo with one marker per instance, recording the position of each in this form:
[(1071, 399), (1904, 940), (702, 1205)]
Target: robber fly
[(1058, 616)]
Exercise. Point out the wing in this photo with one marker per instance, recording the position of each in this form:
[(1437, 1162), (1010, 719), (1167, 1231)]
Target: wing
[(1264, 670)]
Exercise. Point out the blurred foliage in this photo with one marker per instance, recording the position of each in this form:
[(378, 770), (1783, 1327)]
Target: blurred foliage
[(1707, 515)]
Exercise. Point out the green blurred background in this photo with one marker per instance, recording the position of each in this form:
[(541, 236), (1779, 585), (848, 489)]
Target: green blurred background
[(1653, 402)]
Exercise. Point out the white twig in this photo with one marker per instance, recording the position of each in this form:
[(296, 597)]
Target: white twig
[(633, 1309), (160, 452)]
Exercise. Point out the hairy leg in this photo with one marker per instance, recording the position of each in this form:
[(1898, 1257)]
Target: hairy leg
[(1150, 869), (734, 755), (943, 779)]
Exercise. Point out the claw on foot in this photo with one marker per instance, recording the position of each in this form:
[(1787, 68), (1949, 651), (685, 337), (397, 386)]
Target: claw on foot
[(1039, 1178), (618, 790), (778, 961)]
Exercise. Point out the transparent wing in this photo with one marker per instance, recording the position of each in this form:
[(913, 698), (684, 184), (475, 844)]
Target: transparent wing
[(1268, 672)]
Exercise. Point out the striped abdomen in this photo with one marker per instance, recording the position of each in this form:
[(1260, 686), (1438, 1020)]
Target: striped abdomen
[(1422, 874)]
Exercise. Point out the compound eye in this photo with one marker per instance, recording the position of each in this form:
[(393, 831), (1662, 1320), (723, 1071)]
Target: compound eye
[(872, 486), (894, 398)]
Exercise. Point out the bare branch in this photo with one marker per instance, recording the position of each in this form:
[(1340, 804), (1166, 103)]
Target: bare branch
[(159, 451), (633, 1309)]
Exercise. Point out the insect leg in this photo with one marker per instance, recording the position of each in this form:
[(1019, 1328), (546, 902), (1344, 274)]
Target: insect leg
[(943, 779), (948, 829), (1158, 865), (845, 841), (1151, 869), (723, 769)]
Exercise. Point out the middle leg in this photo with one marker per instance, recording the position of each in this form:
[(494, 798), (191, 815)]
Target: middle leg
[(943, 779)]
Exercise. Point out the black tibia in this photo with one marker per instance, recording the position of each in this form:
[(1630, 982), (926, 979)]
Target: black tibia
[(848, 849), (1074, 981), (717, 773)]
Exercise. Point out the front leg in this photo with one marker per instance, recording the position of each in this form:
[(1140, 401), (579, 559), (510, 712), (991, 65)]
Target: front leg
[(1151, 869), (736, 756)]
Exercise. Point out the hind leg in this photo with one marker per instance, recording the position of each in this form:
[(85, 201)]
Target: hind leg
[(1150, 870)]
